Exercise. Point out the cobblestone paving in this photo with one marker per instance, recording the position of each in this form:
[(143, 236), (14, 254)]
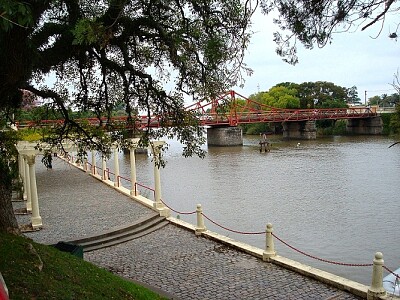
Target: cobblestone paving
[(176, 261), (73, 204), (172, 259)]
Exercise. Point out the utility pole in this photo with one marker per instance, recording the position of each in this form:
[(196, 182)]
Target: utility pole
[(365, 98)]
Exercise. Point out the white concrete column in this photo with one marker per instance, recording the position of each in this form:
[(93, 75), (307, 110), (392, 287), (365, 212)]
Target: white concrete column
[(134, 190), (104, 167), (156, 149), (21, 167), (376, 289), (24, 178), (93, 162), (27, 186), (36, 219), (269, 244), (117, 180), (200, 221)]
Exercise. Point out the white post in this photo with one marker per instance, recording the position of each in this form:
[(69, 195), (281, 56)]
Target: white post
[(27, 186), (269, 244), (104, 167), (156, 149), (36, 219), (200, 221), (25, 178), (93, 163), (376, 289), (134, 191), (116, 167), (21, 167)]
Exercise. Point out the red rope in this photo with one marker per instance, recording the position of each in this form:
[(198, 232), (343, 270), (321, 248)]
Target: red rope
[(393, 273), (178, 212), (321, 259), (235, 231)]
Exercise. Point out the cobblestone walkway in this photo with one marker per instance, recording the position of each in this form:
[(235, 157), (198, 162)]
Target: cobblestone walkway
[(73, 204), (172, 259)]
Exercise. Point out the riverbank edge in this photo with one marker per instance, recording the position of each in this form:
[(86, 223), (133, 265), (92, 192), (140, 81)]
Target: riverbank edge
[(342, 283)]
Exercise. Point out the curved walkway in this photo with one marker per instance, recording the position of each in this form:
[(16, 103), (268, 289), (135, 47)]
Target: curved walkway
[(171, 259)]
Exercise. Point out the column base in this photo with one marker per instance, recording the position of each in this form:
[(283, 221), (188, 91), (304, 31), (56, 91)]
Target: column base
[(163, 211), (199, 231), (375, 295), (37, 222), (267, 255), (158, 205)]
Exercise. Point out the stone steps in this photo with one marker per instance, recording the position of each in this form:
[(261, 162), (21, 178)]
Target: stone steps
[(121, 234)]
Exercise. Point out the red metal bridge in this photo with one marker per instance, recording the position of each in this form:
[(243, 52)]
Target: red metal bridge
[(246, 111), (232, 109)]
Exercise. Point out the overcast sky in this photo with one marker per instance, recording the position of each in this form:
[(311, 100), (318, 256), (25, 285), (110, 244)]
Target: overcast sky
[(353, 59)]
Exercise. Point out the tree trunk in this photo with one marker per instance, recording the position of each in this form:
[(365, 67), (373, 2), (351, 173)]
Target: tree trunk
[(8, 222)]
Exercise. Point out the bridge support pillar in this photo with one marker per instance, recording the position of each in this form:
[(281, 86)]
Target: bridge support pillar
[(224, 136), (372, 125), (305, 130)]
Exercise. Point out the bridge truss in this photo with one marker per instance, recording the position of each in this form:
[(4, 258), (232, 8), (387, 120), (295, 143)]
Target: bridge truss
[(232, 109)]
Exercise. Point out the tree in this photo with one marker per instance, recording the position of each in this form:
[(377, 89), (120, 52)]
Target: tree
[(385, 100), (313, 23), (374, 100), (102, 53), (317, 94), (281, 97)]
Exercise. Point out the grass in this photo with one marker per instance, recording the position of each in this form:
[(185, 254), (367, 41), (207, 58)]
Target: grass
[(36, 271)]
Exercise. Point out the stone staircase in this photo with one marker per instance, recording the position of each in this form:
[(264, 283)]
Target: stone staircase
[(121, 234)]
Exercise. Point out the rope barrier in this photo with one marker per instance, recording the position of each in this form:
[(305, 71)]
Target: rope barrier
[(391, 272), (231, 230), (321, 259), (247, 233), (178, 212)]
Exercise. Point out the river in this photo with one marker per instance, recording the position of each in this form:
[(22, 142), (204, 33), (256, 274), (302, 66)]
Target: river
[(336, 198)]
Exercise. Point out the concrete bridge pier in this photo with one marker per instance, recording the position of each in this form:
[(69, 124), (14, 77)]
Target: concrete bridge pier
[(305, 130), (224, 136), (371, 125)]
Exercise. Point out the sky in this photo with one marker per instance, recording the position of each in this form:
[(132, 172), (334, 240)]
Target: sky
[(352, 59)]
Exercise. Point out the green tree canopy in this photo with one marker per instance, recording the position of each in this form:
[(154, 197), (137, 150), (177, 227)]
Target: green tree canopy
[(281, 97), (101, 53), (317, 94), (385, 100)]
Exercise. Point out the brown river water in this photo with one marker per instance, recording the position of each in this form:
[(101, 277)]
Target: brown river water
[(335, 198)]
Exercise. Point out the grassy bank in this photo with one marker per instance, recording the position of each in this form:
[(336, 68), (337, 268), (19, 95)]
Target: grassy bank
[(35, 271)]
